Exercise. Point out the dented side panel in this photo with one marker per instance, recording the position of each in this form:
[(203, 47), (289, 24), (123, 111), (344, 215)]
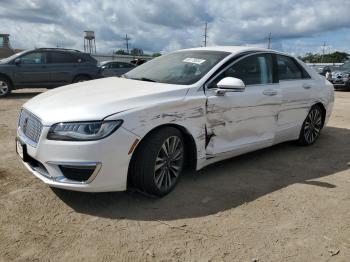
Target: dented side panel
[(239, 119)]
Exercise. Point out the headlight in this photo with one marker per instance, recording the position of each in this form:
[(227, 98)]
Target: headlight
[(83, 131)]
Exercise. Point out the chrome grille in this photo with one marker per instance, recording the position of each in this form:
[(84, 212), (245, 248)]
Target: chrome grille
[(30, 126)]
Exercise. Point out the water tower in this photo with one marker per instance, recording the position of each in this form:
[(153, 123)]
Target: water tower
[(5, 47), (89, 42)]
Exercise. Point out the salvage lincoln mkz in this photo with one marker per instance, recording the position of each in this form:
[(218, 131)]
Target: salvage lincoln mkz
[(195, 106)]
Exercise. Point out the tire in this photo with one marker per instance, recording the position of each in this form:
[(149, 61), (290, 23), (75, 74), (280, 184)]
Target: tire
[(5, 87), (312, 126), (81, 79), (159, 161)]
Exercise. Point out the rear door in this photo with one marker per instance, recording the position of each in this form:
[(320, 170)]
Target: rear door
[(296, 87), (32, 70), (63, 66), (242, 121)]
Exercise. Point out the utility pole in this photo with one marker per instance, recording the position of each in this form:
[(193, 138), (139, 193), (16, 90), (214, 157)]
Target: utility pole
[(127, 43), (323, 50), (205, 34), (269, 38)]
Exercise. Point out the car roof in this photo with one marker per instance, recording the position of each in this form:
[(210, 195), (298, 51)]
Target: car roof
[(114, 61), (233, 49), (58, 49)]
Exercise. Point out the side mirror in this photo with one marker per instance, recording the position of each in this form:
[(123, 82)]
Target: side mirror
[(229, 84), (18, 61)]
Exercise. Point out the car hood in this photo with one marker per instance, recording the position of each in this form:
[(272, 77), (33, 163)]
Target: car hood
[(97, 99)]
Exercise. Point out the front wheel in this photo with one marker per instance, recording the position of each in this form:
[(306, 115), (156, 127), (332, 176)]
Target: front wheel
[(5, 87), (312, 126), (159, 162)]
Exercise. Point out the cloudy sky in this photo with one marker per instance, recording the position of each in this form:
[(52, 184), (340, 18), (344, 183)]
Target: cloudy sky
[(297, 26)]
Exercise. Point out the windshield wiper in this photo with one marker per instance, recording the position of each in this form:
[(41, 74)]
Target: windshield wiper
[(145, 79)]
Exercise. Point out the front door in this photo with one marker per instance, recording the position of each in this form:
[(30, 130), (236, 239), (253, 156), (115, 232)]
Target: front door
[(239, 122), (32, 70)]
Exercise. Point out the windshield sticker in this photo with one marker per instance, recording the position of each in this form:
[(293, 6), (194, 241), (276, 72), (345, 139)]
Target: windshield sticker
[(194, 61)]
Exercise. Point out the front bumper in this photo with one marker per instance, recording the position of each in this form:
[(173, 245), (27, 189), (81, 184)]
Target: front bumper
[(340, 83), (107, 159)]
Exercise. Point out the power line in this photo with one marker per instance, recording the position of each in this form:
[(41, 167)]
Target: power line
[(323, 50), (127, 43), (269, 39), (205, 34)]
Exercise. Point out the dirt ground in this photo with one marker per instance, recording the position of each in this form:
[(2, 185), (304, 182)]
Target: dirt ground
[(285, 203)]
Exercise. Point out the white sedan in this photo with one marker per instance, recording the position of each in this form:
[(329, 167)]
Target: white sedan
[(191, 107)]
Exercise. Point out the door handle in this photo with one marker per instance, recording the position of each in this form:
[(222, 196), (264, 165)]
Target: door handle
[(307, 86), (270, 92)]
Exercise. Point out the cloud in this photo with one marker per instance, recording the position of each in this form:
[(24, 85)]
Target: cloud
[(158, 25)]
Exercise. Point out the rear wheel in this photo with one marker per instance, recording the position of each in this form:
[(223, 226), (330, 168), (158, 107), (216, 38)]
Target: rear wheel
[(79, 79), (5, 87), (159, 162), (312, 126)]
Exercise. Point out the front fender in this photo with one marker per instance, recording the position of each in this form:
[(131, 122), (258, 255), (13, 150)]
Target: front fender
[(188, 113)]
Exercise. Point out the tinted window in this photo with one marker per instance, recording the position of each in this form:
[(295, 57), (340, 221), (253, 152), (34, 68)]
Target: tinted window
[(182, 68), (33, 58), (288, 69), (114, 65), (126, 65), (253, 70), (60, 57)]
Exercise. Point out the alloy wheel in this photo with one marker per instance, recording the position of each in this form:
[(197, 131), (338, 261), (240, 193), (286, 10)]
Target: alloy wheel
[(168, 164), (3, 88), (313, 125)]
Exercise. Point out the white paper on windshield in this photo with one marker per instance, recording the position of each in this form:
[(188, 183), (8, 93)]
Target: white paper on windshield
[(194, 60)]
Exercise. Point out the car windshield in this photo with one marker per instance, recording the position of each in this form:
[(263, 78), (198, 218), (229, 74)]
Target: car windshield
[(181, 68), (10, 58)]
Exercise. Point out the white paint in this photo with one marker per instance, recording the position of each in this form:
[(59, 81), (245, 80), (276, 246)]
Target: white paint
[(239, 122)]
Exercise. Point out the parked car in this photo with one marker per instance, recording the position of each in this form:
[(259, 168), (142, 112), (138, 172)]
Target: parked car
[(46, 68), (138, 61), (341, 76), (191, 107), (113, 68)]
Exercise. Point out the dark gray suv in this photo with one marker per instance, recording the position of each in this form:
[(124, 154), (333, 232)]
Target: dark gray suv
[(46, 68)]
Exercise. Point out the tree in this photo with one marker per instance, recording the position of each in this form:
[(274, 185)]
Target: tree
[(335, 57), (120, 52), (136, 51), (156, 54)]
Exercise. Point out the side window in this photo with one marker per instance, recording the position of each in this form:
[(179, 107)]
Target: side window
[(114, 65), (64, 58), (289, 70), (253, 70), (126, 65), (34, 58)]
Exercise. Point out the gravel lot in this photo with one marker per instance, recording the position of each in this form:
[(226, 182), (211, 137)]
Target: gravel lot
[(285, 203)]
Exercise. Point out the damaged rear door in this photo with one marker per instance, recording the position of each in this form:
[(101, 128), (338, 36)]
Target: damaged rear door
[(239, 122)]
